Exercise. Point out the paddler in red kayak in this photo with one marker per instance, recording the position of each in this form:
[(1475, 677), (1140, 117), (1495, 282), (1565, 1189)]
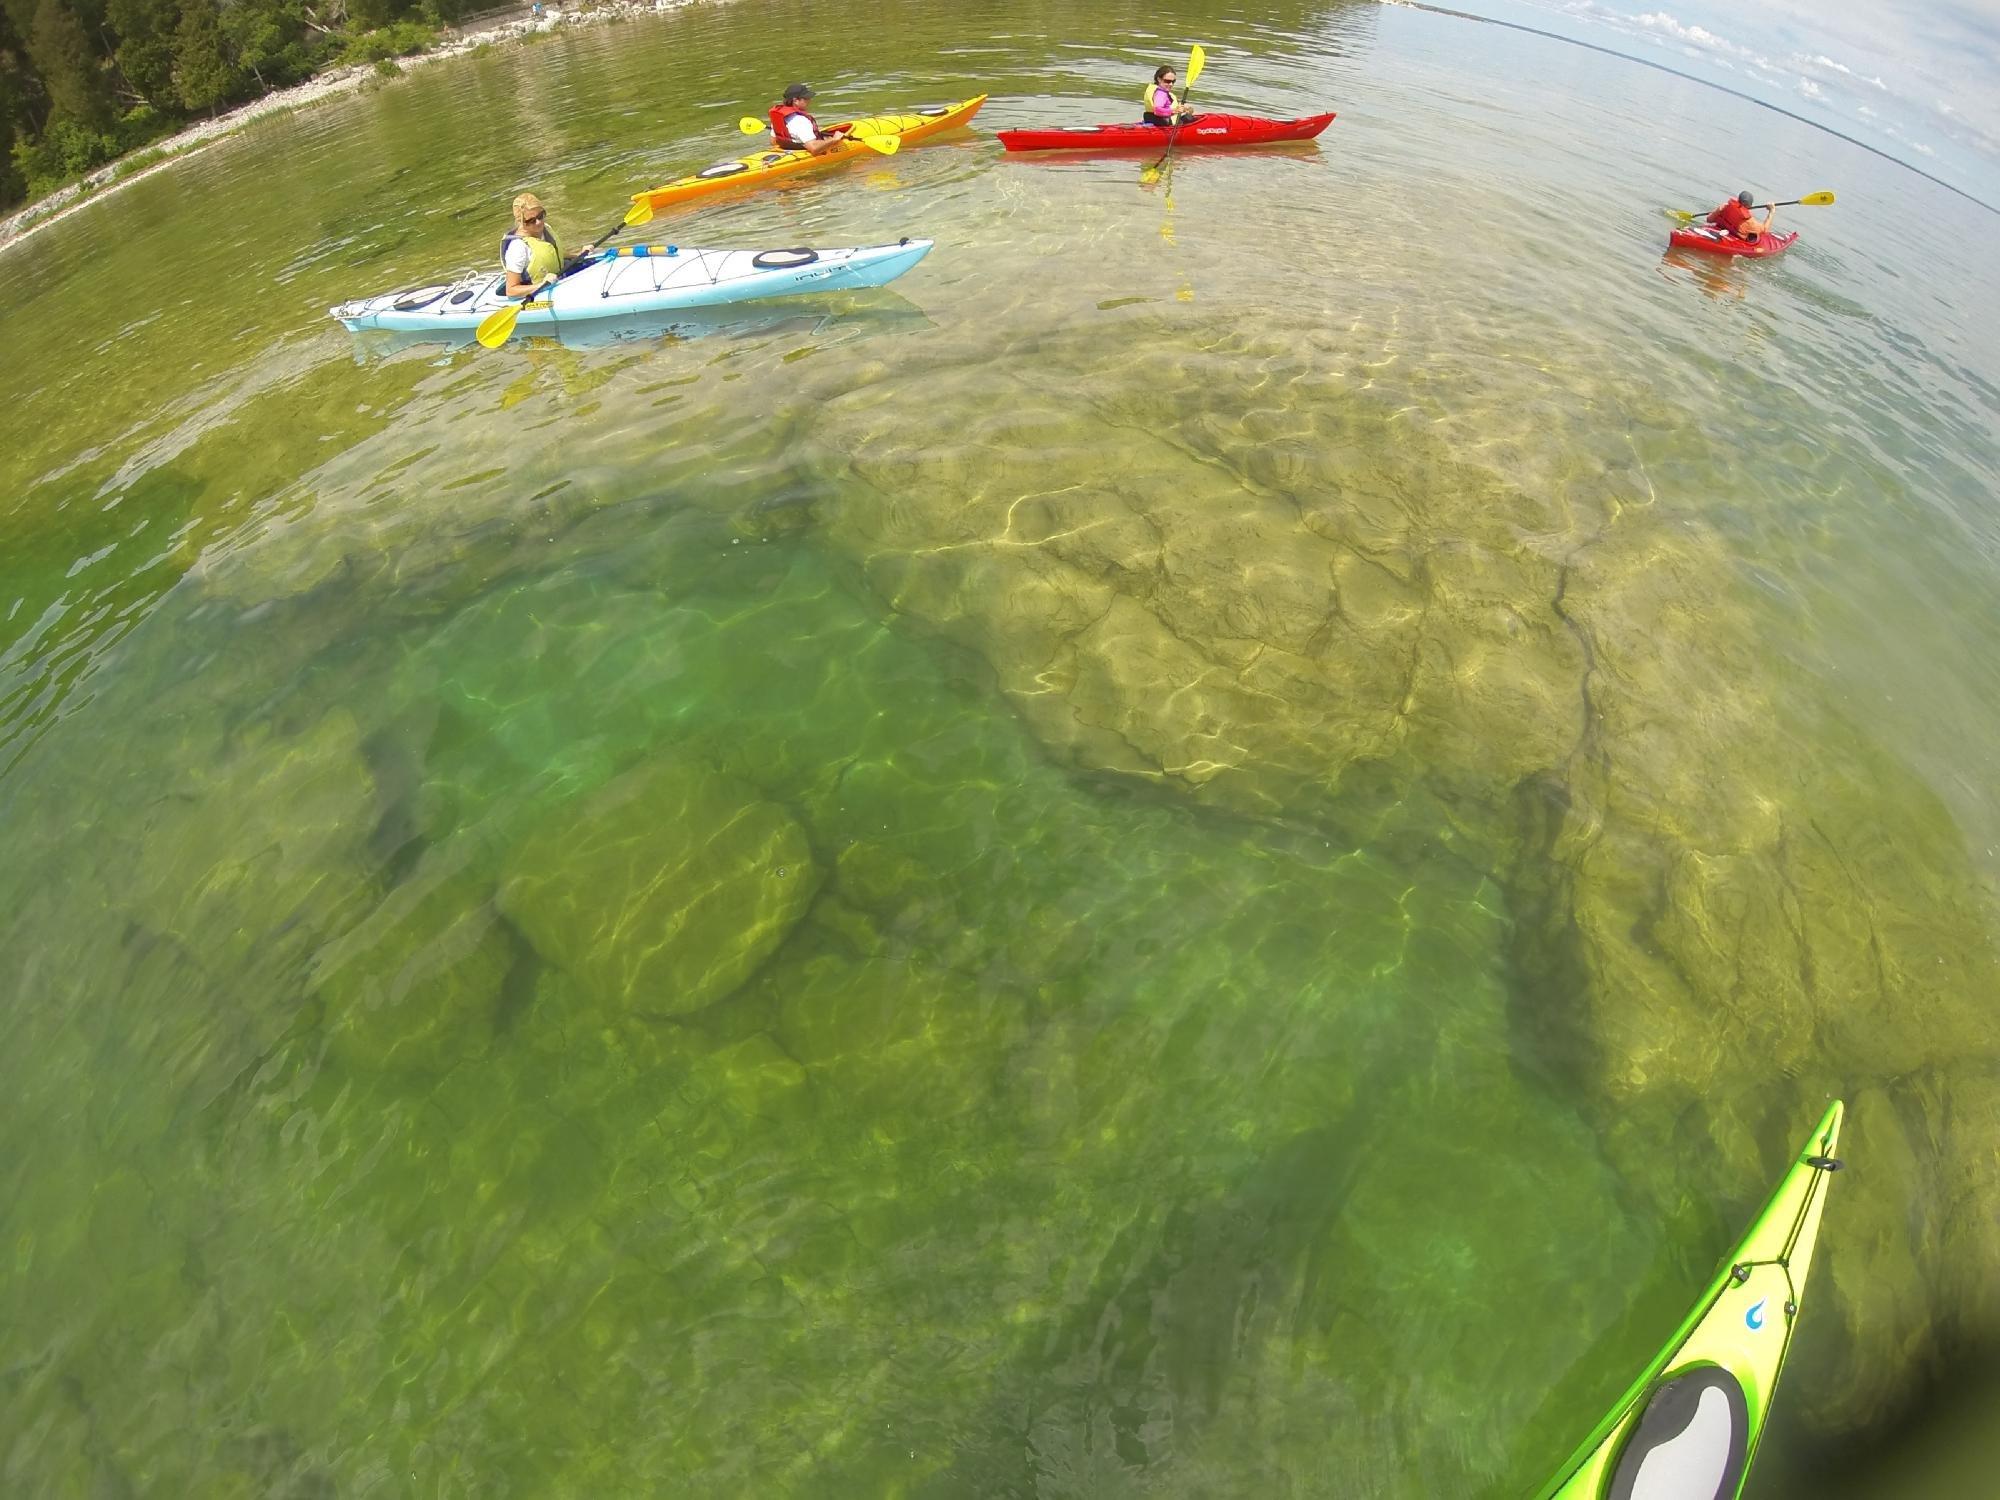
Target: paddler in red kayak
[(795, 129), (1161, 106), (1734, 217)]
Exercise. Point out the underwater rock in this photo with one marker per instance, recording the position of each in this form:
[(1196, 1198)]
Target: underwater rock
[(254, 852), (1247, 627), (891, 1042), (662, 891), (415, 985), (1737, 910), (1286, 597)]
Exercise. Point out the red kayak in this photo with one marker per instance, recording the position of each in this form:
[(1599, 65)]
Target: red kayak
[(1721, 242), (1202, 130)]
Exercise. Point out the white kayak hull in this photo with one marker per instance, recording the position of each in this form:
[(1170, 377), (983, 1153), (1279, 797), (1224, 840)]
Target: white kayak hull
[(636, 279)]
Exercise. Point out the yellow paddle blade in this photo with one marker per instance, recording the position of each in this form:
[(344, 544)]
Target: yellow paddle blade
[(498, 326), (1150, 176), (888, 145), (1680, 215), (750, 125), (641, 212), (1196, 59), (1817, 200)]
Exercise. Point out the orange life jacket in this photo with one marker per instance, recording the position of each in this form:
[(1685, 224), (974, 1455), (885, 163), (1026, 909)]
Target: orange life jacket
[(1732, 216)]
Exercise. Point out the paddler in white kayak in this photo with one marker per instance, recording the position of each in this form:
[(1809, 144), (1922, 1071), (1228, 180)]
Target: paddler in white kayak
[(794, 128), (529, 250)]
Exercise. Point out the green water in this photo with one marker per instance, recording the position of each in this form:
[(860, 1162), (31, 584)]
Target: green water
[(1214, 847)]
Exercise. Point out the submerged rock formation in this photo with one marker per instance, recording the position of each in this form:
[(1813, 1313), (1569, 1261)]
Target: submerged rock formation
[(662, 892), (1729, 902)]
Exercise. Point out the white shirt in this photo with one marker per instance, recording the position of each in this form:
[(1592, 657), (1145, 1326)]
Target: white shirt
[(799, 128), (516, 258)]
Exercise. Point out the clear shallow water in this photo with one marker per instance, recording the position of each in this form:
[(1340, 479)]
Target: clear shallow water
[(1285, 789)]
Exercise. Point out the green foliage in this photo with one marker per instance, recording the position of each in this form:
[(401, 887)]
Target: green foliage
[(138, 161), (271, 40), (136, 18), (12, 187), (404, 39), (65, 152), (147, 64), (67, 68), (140, 124), (61, 52), (145, 52), (13, 91), (205, 74)]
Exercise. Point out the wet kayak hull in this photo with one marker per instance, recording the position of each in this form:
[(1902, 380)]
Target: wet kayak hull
[(1699, 1408), (772, 165), (1202, 130), (1718, 242), (637, 279)]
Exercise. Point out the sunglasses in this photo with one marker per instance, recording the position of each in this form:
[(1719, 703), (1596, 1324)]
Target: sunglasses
[(534, 218)]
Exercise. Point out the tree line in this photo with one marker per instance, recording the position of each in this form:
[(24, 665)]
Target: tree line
[(82, 81)]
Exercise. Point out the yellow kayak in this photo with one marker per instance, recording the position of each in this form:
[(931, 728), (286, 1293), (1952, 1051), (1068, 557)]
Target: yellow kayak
[(1689, 1425), (773, 165)]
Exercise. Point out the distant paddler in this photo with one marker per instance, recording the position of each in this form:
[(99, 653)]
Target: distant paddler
[(1734, 216), (529, 250), (794, 128)]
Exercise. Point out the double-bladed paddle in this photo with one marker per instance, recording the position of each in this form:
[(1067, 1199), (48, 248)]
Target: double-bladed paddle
[(1196, 59), (1811, 200), (888, 145)]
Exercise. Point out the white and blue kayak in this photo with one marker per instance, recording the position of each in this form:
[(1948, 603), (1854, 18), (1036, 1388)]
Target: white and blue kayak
[(636, 279)]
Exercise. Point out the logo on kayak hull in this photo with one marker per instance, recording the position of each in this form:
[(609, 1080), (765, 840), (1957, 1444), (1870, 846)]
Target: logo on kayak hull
[(1754, 1318)]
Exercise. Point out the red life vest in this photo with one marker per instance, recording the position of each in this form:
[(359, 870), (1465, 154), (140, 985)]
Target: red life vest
[(1731, 216), (780, 113)]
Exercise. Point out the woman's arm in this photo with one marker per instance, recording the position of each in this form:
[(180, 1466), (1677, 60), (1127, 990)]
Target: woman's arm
[(519, 285)]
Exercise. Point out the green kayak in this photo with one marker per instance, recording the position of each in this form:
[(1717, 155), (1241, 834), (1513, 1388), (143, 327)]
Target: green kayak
[(1687, 1429)]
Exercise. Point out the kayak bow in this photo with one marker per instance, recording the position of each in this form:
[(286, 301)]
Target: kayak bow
[(1688, 1427), (774, 165)]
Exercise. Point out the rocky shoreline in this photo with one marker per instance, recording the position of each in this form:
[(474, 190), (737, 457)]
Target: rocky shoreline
[(331, 84)]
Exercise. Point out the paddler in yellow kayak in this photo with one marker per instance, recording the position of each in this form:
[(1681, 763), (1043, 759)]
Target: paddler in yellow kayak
[(794, 128), (1161, 106), (529, 250)]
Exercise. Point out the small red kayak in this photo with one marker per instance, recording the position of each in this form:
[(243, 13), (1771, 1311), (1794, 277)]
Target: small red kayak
[(1202, 130), (1720, 242)]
